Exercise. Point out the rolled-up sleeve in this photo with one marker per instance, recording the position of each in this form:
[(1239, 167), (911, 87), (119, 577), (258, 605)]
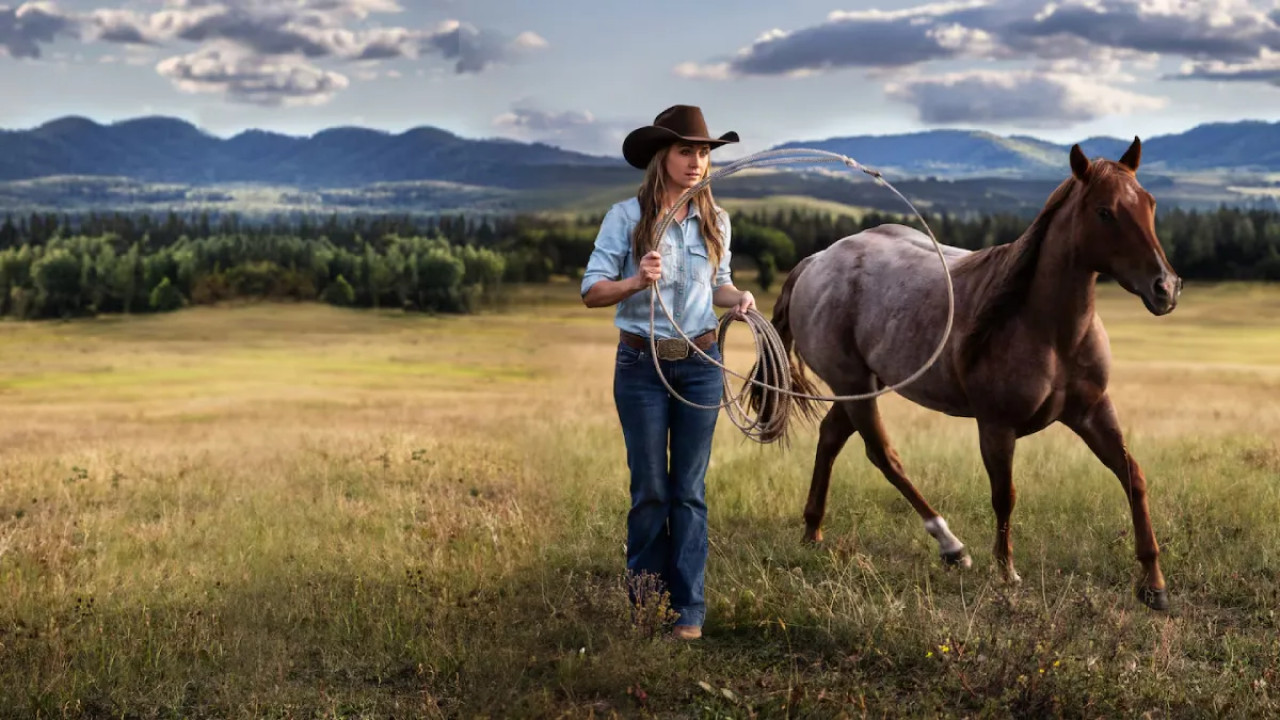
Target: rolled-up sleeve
[(610, 252), (722, 272)]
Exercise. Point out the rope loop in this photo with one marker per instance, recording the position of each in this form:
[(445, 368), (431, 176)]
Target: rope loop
[(772, 359)]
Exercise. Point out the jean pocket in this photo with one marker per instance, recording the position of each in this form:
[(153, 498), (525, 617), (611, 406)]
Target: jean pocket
[(628, 356), (713, 352)]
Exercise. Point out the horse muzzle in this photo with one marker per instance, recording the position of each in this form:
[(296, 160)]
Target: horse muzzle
[(1161, 297)]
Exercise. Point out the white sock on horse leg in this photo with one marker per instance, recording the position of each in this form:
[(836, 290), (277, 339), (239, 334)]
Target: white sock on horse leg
[(947, 543)]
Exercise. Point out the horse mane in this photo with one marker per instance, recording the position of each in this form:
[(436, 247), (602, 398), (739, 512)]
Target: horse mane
[(1005, 274)]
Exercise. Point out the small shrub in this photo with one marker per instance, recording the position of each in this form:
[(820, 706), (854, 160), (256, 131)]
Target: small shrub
[(340, 293), (768, 272), (210, 288), (166, 298), (22, 302)]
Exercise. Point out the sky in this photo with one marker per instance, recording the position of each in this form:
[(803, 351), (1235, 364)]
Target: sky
[(580, 74)]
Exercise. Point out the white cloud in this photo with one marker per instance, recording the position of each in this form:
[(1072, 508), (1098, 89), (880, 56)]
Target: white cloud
[(577, 130), (1136, 32), (694, 71), (252, 79), (262, 41), (529, 41), (1047, 63), (1265, 68), (537, 120), (1024, 98), (120, 26), (961, 39), (25, 28), (1203, 29), (911, 13)]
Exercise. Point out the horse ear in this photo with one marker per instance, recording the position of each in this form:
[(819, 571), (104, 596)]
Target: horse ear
[(1133, 155), (1079, 163)]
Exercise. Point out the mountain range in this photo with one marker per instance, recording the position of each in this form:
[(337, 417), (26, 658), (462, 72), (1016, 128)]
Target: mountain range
[(1248, 146), (77, 162), (161, 149)]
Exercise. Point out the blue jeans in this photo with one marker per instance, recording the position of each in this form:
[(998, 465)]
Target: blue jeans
[(667, 524)]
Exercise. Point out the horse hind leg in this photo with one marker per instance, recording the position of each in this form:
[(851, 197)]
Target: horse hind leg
[(833, 433), (865, 418)]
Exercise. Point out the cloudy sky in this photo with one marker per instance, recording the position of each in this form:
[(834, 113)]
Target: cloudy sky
[(579, 73)]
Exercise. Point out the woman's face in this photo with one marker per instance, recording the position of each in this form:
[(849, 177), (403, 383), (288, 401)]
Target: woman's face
[(687, 164)]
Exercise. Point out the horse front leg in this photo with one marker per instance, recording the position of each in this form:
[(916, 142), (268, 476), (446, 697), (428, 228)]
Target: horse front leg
[(997, 443), (1100, 429)]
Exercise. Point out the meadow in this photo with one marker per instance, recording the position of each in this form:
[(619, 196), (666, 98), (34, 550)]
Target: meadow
[(302, 511)]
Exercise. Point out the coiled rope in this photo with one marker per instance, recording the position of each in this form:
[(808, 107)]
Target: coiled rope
[(771, 354)]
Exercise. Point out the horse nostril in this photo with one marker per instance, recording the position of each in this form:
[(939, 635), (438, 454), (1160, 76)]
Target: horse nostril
[(1160, 288)]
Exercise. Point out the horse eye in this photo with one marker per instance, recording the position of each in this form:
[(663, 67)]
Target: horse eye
[(1105, 213)]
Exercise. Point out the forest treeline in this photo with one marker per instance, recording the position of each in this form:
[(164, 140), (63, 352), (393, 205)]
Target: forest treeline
[(59, 266)]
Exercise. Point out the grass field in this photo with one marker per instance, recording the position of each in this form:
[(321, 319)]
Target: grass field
[(787, 203), (293, 511)]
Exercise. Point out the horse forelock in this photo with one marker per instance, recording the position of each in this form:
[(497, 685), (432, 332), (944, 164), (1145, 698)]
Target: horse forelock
[(1005, 271), (1117, 180)]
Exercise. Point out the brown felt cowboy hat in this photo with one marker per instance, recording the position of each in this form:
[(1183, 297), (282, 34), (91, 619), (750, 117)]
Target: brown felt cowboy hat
[(678, 122)]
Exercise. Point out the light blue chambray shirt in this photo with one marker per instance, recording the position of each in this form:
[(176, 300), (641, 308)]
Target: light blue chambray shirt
[(687, 284)]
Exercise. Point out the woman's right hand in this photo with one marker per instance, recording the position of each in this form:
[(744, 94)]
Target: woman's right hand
[(650, 268)]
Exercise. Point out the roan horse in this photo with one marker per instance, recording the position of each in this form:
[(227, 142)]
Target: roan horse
[(1027, 348)]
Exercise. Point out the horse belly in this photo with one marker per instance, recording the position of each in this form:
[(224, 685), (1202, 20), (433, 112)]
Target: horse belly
[(936, 389), (1045, 415), (943, 398)]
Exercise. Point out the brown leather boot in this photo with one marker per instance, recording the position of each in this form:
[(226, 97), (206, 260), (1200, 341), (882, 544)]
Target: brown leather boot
[(686, 632)]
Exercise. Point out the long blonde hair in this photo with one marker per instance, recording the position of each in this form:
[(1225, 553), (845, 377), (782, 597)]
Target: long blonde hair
[(653, 189)]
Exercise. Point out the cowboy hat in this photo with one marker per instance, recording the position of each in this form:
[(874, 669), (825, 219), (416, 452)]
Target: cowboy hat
[(678, 122)]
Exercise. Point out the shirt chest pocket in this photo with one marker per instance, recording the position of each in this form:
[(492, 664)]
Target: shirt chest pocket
[(699, 264)]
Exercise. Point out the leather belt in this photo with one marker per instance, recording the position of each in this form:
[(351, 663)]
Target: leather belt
[(669, 348)]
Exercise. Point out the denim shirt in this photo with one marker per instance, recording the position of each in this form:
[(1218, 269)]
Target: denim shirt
[(687, 282)]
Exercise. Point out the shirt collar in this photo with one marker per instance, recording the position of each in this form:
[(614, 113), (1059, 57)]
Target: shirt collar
[(693, 211)]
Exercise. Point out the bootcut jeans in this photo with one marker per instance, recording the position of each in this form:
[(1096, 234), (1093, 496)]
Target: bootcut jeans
[(668, 449)]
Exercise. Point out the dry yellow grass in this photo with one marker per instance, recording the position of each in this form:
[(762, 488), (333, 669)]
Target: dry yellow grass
[(294, 511)]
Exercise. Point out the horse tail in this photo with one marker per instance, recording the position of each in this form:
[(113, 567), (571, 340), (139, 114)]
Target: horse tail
[(773, 408)]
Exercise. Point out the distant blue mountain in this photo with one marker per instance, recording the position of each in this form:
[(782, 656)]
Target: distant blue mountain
[(168, 150), (159, 149), (1246, 146)]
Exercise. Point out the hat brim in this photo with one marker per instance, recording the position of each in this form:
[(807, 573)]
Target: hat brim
[(642, 143)]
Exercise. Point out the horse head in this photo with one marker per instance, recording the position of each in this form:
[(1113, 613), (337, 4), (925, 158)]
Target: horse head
[(1115, 230)]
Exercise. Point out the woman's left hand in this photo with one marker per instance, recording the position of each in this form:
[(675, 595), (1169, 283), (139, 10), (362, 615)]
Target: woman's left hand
[(746, 302)]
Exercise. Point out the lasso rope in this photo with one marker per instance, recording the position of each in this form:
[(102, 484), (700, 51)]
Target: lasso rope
[(771, 354)]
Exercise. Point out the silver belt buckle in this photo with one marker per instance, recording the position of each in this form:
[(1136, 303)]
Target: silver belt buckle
[(672, 349)]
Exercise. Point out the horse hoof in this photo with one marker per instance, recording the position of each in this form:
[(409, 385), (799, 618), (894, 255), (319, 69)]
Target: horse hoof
[(812, 539), (957, 558), (1154, 598)]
